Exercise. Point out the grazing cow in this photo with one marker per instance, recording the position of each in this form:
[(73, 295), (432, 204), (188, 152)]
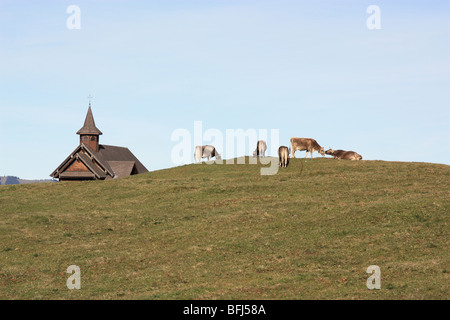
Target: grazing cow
[(308, 144), (283, 155), (261, 148), (206, 152), (342, 154)]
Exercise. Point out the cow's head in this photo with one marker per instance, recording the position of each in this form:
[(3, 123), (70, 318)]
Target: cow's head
[(218, 156), (329, 152), (322, 152)]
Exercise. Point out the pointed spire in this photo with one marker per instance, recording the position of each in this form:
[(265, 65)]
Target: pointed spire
[(89, 124)]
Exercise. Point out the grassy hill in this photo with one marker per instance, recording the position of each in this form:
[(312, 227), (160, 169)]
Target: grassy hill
[(226, 232)]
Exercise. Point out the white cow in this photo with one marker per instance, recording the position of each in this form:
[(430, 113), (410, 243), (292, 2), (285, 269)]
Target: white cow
[(206, 152), (261, 148)]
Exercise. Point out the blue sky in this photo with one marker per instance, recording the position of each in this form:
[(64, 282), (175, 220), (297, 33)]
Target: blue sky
[(308, 68)]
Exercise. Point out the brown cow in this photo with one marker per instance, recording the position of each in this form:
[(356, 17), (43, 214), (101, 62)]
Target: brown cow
[(308, 144), (283, 155), (342, 154)]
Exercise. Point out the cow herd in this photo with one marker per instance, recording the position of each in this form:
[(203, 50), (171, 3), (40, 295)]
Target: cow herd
[(297, 144), (311, 145)]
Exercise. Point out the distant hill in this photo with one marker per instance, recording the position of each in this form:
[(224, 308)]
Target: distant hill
[(226, 232), (7, 180)]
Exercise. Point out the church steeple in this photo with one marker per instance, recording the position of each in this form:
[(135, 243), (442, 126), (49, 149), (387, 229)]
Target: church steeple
[(89, 133)]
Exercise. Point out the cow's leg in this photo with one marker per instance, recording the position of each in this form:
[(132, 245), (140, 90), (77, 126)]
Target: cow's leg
[(293, 152), (312, 153), (306, 153)]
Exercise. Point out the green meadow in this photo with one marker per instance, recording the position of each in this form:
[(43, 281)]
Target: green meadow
[(215, 231)]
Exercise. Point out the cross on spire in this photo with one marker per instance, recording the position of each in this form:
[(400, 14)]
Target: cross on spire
[(90, 98)]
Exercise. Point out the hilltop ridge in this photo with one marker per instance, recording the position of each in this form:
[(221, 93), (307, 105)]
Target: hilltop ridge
[(226, 232)]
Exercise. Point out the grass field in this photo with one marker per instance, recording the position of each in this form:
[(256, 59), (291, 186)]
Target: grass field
[(226, 232)]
